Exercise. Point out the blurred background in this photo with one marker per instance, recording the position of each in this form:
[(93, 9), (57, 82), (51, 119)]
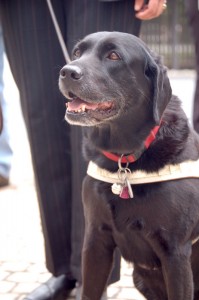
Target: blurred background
[(171, 37)]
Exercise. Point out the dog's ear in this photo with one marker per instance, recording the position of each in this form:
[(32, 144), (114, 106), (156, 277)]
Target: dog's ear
[(156, 72)]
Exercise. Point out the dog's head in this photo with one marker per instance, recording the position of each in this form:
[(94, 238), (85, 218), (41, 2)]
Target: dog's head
[(113, 74)]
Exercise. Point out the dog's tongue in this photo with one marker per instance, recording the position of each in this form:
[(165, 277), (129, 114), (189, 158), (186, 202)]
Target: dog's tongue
[(78, 103)]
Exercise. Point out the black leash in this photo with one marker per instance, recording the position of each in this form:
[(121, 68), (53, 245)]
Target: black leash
[(58, 32)]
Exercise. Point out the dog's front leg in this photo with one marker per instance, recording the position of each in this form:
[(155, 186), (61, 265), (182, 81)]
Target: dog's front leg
[(97, 258), (178, 274)]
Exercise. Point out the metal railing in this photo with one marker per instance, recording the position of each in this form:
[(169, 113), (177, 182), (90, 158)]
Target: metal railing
[(171, 37)]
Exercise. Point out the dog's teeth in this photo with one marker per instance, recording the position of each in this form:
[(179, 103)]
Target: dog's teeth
[(79, 110)]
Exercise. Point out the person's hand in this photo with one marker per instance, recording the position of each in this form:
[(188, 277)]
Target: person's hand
[(151, 10)]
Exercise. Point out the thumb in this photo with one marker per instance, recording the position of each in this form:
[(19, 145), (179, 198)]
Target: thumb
[(138, 4)]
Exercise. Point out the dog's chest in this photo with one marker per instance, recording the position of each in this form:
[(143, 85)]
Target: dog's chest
[(132, 223), (130, 227)]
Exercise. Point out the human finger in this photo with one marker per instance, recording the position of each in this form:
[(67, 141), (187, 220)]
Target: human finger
[(138, 5), (152, 10)]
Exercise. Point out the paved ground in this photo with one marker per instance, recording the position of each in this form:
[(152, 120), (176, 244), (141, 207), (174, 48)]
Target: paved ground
[(22, 262)]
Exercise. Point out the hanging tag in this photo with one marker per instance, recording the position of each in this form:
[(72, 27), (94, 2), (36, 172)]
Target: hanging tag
[(116, 188), (125, 193), (123, 189), (129, 188)]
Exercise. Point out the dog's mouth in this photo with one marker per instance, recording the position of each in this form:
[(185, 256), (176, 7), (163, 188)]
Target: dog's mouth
[(78, 108), (78, 105)]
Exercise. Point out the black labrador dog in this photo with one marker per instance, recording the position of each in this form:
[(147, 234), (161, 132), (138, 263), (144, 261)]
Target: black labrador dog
[(118, 90)]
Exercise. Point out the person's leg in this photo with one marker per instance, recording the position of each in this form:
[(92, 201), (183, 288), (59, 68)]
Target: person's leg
[(193, 18), (35, 58), (84, 17), (87, 16), (6, 152)]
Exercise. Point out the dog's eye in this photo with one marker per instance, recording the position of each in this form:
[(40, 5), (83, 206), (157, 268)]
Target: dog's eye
[(77, 53), (113, 56)]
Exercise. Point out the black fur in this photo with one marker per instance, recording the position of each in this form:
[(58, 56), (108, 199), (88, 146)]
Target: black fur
[(155, 229)]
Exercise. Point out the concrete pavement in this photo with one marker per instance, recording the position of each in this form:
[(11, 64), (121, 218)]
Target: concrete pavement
[(22, 260)]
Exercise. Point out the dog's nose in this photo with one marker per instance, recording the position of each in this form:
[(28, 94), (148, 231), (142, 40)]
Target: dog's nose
[(71, 71)]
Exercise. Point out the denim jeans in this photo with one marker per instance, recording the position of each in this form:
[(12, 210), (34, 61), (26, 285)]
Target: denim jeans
[(5, 148)]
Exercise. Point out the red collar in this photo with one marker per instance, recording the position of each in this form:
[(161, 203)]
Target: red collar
[(134, 156)]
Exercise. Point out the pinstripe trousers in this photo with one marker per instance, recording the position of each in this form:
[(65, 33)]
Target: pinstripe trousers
[(35, 59)]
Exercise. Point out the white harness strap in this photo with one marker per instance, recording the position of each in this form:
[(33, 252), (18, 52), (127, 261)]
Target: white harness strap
[(187, 169)]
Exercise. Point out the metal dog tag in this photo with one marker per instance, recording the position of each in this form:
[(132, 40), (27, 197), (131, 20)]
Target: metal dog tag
[(129, 188), (124, 193), (127, 191), (123, 189), (116, 188)]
